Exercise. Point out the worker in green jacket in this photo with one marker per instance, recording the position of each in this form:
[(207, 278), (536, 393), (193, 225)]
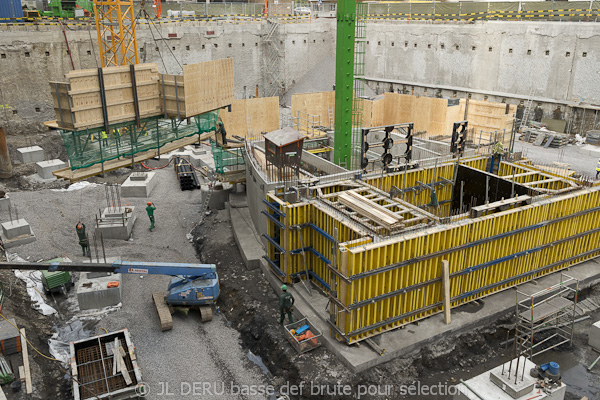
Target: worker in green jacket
[(150, 207), (83, 240), (286, 302), (221, 131)]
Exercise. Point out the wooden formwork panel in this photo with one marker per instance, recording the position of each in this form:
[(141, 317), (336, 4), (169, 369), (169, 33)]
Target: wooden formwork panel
[(318, 103), (78, 103), (203, 87), (250, 117), (485, 117)]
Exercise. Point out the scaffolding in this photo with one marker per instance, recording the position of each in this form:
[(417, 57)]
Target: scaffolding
[(97, 146), (274, 61), (548, 310), (229, 162)]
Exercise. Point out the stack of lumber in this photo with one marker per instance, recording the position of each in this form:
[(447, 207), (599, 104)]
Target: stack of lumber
[(78, 102), (367, 208), (545, 138)]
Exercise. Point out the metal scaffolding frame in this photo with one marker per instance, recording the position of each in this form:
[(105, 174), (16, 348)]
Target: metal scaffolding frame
[(546, 310), (274, 61)]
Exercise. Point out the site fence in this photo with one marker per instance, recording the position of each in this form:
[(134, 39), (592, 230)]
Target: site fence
[(584, 11)]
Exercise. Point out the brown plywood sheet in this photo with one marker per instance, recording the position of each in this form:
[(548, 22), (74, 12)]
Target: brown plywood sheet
[(203, 87), (250, 117)]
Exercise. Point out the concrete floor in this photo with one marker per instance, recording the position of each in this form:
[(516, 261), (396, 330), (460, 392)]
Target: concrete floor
[(582, 159), (192, 351)]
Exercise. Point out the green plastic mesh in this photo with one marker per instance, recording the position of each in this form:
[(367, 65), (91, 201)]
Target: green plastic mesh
[(228, 160), (93, 146)]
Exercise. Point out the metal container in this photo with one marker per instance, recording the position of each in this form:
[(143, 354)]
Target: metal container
[(295, 334), (92, 368), (10, 9)]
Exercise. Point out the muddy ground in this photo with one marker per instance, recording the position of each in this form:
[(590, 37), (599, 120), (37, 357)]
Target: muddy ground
[(251, 306)]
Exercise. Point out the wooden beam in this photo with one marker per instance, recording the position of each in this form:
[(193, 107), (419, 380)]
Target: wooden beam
[(370, 209), (446, 291), (28, 386), (82, 173)]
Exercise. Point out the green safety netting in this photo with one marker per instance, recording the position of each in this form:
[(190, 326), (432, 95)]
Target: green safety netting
[(227, 160), (93, 146)]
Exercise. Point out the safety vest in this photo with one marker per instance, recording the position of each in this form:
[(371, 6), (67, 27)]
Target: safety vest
[(598, 166), (104, 136)]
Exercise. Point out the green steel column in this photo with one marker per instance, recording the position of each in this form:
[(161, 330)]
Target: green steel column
[(344, 81)]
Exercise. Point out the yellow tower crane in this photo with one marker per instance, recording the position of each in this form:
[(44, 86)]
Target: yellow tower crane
[(115, 24)]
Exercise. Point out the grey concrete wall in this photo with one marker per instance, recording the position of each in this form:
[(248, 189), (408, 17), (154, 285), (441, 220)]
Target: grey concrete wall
[(460, 56), (30, 57)]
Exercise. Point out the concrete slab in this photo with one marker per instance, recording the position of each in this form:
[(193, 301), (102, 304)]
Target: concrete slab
[(594, 336), (30, 154), (504, 388), (139, 184), (94, 293), (116, 223), (4, 203), (406, 341), (45, 168), (16, 233), (12, 229), (250, 247)]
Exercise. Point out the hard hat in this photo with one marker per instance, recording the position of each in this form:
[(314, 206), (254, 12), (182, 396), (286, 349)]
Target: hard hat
[(79, 226), (293, 331), (149, 203), (283, 287)]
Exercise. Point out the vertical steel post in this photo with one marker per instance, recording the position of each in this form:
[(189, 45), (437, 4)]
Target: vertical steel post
[(344, 81)]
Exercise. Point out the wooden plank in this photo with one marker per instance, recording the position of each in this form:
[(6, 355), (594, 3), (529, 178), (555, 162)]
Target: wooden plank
[(21, 373), (446, 291), (82, 173), (164, 315), (208, 86), (24, 347), (370, 209)]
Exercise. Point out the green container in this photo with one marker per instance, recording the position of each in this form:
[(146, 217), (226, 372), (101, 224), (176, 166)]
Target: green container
[(52, 281)]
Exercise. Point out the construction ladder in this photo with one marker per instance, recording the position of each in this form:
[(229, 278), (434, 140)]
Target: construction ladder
[(527, 111), (212, 177)]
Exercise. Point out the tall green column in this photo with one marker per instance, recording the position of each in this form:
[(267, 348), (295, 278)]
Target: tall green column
[(344, 80)]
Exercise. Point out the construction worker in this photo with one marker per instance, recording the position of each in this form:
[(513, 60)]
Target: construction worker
[(286, 302), (150, 207), (104, 138), (83, 240), (598, 169), (221, 130)]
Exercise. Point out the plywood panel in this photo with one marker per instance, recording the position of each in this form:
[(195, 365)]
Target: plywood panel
[(377, 112), (80, 98), (318, 103), (251, 117)]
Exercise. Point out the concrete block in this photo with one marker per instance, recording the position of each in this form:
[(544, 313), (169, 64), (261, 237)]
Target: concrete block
[(507, 383), (4, 203), (116, 223), (594, 336), (94, 293), (16, 233), (30, 154), (45, 168), (12, 229), (217, 199), (139, 184), (245, 237)]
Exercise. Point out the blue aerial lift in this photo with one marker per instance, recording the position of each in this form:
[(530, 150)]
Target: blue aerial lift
[(192, 285)]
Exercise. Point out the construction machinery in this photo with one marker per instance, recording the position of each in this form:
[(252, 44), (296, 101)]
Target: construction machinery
[(193, 286), (69, 8)]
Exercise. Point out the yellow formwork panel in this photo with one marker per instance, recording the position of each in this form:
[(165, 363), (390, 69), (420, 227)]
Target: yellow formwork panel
[(526, 242)]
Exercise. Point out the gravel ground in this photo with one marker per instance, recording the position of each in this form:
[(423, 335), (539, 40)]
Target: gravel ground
[(192, 351), (580, 160)]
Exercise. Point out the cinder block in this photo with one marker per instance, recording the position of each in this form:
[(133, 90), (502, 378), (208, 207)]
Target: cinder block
[(140, 185), (594, 336), (4, 203), (94, 293), (30, 154), (45, 168), (12, 229)]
